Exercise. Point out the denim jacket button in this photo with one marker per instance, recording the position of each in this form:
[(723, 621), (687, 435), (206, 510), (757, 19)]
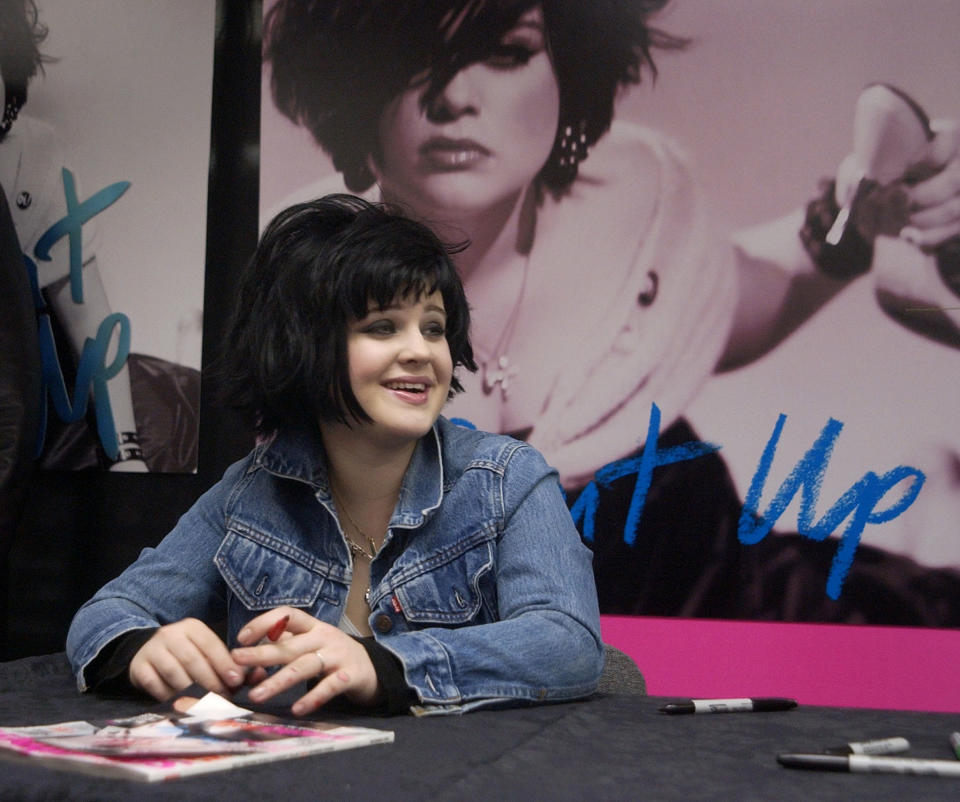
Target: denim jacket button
[(383, 623)]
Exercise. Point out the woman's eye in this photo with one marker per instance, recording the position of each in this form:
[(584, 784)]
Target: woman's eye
[(379, 328), (435, 331), (510, 56)]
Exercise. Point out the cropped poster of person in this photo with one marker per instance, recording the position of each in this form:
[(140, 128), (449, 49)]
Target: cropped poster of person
[(105, 163), (723, 303)]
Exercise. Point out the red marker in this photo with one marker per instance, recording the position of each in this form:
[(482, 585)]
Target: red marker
[(274, 633)]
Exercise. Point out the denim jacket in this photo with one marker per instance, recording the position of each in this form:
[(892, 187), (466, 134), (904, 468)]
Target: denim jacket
[(483, 589)]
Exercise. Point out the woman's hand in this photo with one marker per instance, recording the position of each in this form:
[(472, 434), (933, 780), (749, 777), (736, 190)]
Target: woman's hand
[(934, 203), (912, 168), (181, 654), (309, 649)]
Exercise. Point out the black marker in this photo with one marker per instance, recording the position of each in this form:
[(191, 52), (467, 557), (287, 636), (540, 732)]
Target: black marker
[(871, 764), (763, 705), (880, 746)]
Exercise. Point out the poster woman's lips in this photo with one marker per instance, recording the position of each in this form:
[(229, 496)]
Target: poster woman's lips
[(443, 153)]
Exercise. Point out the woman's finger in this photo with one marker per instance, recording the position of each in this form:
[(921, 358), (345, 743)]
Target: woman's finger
[(928, 238), (946, 140), (306, 666), (199, 669), (183, 664), (169, 669), (944, 214), (145, 677), (303, 634), (259, 628), (255, 676), (940, 188), (202, 654), (272, 654), (215, 659), (183, 653), (333, 684)]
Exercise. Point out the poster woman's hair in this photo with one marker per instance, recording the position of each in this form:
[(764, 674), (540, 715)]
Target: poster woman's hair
[(335, 64), (318, 266), (21, 33)]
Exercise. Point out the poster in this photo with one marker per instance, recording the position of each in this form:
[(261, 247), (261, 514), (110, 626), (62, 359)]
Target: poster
[(850, 415), (106, 167)]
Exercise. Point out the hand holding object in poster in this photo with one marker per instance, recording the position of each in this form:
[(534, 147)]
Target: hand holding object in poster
[(903, 181), (900, 155)]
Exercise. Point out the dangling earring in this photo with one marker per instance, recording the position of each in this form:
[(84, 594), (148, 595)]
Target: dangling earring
[(360, 179), (569, 149), (10, 112), (357, 175)]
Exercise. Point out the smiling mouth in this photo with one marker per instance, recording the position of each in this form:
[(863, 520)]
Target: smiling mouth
[(407, 387)]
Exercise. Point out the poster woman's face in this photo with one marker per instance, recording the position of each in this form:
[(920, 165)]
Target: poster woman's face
[(483, 138)]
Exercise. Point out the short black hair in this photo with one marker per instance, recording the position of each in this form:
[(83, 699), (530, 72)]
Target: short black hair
[(317, 267), (337, 63), (21, 33)]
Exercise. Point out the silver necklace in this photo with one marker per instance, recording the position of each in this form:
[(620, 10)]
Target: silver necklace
[(501, 372), (355, 547)]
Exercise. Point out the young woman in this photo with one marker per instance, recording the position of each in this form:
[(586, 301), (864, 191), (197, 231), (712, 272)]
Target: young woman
[(598, 285), (418, 561)]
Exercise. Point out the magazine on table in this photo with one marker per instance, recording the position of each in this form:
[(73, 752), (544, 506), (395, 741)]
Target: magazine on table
[(213, 735)]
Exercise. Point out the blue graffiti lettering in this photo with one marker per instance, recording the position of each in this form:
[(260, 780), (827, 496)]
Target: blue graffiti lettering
[(585, 507), (93, 372), (71, 226), (861, 500)]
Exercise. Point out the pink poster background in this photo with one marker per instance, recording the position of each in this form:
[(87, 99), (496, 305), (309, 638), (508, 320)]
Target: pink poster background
[(762, 103), (816, 664)]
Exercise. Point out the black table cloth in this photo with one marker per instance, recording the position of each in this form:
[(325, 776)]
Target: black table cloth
[(609, 747)]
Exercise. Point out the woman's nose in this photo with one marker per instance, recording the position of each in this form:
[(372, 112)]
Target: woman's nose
[(414, 348), (456, 99)]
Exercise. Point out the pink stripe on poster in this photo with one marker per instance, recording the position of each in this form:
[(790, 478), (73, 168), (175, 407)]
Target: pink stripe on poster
[(816, 664)]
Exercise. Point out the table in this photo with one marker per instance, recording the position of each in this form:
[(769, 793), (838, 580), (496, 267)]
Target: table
[(609, 747)]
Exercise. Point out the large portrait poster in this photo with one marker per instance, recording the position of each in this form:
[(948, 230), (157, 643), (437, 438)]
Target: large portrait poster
[(105, 166), (725, 303)]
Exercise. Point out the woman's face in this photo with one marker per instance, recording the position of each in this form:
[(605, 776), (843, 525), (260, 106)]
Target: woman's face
[(400, 367), (483, 139)]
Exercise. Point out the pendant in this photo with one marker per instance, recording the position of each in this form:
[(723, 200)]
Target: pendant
[(501, 375)]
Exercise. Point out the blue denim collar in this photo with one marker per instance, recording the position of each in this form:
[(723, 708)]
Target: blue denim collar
[(299, 454)]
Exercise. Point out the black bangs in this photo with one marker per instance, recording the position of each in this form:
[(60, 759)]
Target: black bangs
[(386, 259), (388, 286), (317, 267), (467, 32)]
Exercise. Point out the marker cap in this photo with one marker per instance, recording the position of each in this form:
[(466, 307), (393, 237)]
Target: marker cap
[(879, 746)]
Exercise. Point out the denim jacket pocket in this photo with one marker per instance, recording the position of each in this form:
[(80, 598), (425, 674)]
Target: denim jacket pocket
[(264, 572), (451, 588)]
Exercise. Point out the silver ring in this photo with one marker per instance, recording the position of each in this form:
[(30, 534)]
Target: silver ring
[(323, 663)]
